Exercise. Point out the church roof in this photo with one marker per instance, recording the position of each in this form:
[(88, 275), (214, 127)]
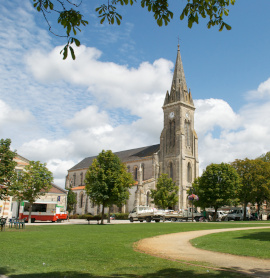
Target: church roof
[(125, 156), (56, 189), (82, 187)]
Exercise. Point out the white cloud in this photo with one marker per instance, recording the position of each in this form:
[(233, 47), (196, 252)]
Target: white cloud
[(242, 134), (262, 91), (9, 115), (44, 150), (112, 84), (89, 117), (211, 113)]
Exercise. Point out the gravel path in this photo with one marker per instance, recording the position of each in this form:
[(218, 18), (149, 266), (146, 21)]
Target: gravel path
[(177, 247)]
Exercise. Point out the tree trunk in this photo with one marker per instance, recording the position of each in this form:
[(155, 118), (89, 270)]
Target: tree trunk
[(30, 212), (245, 211), (102, 214), (215, 214), (109, 215), (259, 208)]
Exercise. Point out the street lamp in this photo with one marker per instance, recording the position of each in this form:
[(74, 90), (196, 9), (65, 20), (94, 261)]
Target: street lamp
[(193, 197)]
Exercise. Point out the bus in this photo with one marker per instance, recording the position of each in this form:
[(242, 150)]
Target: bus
[(43, 211)]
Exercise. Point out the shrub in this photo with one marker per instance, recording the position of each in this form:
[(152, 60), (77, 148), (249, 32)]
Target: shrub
[(121, 216)]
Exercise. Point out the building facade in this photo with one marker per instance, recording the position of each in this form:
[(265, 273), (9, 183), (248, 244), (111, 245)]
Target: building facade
[(176, 155), (9, 206)]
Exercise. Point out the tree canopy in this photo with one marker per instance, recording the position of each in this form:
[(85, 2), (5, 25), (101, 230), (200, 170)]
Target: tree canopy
[(255, 181), (246, 170), (34, 181), (7, 166), (165, 196), (107, 181), (265, 157), (71, 18), (217, 187)]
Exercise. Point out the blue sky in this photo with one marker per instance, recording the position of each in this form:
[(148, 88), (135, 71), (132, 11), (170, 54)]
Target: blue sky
[(60, 112)]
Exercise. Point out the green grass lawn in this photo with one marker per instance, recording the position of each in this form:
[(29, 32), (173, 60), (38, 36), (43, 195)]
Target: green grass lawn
[(95, 251), (254, 243)]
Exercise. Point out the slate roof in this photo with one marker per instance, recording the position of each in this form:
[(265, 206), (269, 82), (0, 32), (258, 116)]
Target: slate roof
[(56, 189), (125, 156)]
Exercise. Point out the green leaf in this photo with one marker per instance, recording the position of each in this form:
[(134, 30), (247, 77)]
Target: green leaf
[(72, 53), (77, 42)]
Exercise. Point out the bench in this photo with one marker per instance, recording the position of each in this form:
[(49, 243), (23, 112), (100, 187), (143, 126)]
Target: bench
[(20, 222), (97, 218), (3, 223), (17, 223)]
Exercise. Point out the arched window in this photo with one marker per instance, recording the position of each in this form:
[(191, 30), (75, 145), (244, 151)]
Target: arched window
[(74, 180), (172, 133), (171, 170), (135, 173), (189, 173), (188, 134), (128, 169), (81, 200)]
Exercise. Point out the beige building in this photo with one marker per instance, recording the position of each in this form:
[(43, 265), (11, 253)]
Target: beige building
[(176, 155), (9, 207)]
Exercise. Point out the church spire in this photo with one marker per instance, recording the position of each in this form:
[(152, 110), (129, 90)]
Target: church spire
[(179, 80), (179, 91)]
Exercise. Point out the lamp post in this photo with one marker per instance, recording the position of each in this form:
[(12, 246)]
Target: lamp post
[(193, 197)]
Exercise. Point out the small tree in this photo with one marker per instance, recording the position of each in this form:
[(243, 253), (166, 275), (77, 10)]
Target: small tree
[(107, 181), (32, 183), (247, 172), (7, 166), (165, 196), (217, 187), (71, 200)]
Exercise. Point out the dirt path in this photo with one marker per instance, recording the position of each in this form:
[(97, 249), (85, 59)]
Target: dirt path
[(177, 247)]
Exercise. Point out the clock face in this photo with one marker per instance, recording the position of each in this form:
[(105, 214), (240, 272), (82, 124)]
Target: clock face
[(187, 115), (171, 115)]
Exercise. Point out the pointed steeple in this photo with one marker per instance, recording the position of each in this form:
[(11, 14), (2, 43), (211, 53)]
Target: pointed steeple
[(179, 80), (179, 91)]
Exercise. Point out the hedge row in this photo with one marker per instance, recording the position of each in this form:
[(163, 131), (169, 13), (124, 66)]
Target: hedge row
[(118, 216)]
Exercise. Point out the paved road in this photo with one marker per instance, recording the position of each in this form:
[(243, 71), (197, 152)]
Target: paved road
[(177, 247)]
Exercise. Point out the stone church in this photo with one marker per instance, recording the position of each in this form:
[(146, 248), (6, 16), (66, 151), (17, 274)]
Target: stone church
[(176, 155)]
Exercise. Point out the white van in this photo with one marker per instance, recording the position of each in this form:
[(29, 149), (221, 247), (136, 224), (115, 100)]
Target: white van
[(238, 214)]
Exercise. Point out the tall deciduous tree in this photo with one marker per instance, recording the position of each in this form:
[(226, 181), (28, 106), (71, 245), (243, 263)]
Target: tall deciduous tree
[(255, 181), (35, 181), (217, 187), (165, 196), (246, 170), (7, 166), (71, 18), (71, 200), (107, 181), (265, 157), (261, 190)]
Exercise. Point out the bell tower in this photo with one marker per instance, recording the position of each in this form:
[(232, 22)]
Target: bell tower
[(178, 154)]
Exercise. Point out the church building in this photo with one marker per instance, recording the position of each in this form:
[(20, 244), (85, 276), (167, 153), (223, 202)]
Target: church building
[(176, 155)]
